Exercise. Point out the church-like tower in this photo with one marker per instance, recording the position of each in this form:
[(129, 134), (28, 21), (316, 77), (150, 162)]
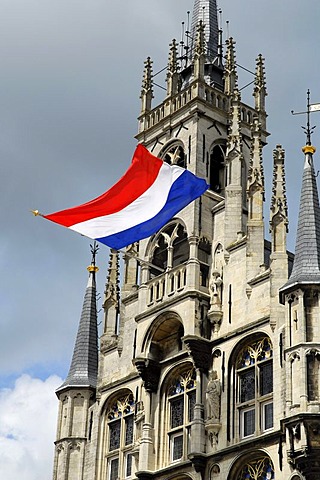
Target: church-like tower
[(198, 356)]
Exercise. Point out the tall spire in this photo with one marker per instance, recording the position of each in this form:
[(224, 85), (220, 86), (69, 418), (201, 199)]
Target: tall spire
[(173, 70), (260, 90), (147, 86), (279, 208), (306, 266), (84, 365), (206, 11), (230, 69)]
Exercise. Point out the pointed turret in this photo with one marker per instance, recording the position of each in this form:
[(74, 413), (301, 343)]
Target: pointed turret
[(255, 195), (230, 69), (306, 266), (111, 304), (205, 11), (199, 52), (234, 162), (173, 70), (278, 229), (260, 90), (78, 393), (147, 87), (278, 209), (84, 365)]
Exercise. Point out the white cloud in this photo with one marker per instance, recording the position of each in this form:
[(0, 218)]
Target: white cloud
[(28, 418)]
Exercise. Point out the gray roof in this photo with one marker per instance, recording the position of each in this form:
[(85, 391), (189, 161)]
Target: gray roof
[(306, 266), (84, 365), (206, 11)]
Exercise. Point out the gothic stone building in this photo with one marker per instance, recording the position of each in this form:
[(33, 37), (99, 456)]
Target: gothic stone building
[(208, 365)]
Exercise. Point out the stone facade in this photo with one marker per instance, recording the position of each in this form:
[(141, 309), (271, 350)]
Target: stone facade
[(203, 373)]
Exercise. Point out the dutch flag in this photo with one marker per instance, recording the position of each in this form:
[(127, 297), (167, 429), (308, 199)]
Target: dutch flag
[(149, 194)]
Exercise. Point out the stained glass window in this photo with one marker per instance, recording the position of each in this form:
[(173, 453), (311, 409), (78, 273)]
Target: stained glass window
[(266, 378), (114, 435), (114, 468), (182, 399), (177, 447), (247, 386), (192, 402), (120, 416), (129, 465), (129, 430), (259, 469), (255, 387), (177, 416), (248, 422)]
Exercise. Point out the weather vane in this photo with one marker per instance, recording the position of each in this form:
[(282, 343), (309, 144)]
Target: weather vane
[(315, 107), (94, 250)]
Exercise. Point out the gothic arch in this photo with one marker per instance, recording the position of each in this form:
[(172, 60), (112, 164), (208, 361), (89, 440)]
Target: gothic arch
[(250, 386), (255, 465), (164, 337), (177, 400), (117, 434)]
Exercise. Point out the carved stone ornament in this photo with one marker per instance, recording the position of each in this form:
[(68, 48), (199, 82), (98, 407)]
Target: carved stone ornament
[(108, 342), (200, 351), (149, 371)]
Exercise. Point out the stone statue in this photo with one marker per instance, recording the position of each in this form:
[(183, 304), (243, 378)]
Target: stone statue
[(213, 396), (215, 289)]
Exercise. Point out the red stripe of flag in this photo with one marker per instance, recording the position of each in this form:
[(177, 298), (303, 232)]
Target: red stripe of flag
[(141, 174)]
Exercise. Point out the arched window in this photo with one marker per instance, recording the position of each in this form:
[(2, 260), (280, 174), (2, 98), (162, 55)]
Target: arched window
[(171, 248), (260, 468), (120, 425), (181, 399), (174, 154), (217, 176), (254, 381)]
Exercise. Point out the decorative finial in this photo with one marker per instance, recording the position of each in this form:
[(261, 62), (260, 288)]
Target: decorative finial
[(308, 130), (94, 250), (36, 213)]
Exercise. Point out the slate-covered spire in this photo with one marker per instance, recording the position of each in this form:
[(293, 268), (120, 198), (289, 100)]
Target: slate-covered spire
[(206, 11), (306, 266), (84, 365)]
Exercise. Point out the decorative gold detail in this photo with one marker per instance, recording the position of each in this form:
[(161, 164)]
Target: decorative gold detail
[(36, 213), (92, 268), (309, 149)]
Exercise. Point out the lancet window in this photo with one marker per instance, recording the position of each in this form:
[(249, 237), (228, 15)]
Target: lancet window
[(254, 400), (181, 398), (120, 429), (217, 177)]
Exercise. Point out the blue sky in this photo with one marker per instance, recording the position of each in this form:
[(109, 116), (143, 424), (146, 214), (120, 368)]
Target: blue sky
[(69, 97)]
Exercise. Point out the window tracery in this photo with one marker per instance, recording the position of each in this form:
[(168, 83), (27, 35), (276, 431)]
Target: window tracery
[(258, 469), (181, 395), (120, 437), (254, 401), (174, 155)]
